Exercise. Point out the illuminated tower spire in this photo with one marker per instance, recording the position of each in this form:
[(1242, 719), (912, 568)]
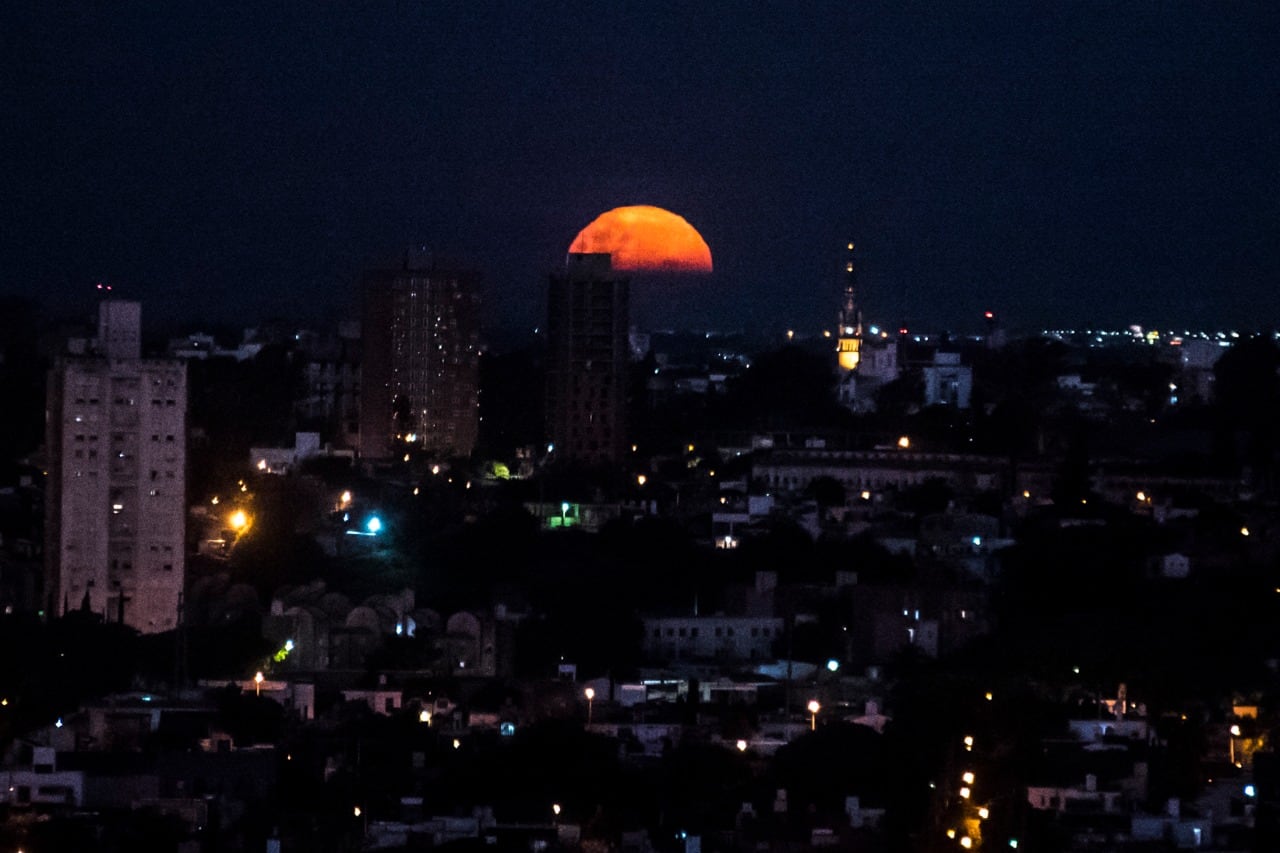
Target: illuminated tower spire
[(849, 340)]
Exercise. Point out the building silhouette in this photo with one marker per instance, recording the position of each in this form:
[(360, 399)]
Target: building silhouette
[(116, 502), (866, 362), (849, 338), (588, 313), (420, 370)]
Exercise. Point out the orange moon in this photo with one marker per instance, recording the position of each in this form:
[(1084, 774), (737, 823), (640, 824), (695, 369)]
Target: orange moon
[(643, 238)]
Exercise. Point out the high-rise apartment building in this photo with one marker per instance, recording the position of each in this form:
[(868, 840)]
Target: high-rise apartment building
[(116, 497), (588, 313), (420, 369)]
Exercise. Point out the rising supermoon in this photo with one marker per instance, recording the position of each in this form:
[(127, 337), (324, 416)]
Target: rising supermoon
[(643, 238)]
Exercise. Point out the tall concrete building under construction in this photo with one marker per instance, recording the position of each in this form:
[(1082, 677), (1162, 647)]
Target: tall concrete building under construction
[(588, 317), (420, 370)]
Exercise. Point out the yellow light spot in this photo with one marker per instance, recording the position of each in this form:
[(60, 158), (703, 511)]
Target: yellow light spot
[(904, 442), (968, 777)]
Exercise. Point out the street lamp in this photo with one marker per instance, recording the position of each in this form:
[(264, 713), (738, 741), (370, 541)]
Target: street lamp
[(814, 708), (258, 678), (590, 693)]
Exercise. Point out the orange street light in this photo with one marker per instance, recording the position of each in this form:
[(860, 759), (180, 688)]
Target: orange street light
[(590, 693), (258, 678), (814, 708)]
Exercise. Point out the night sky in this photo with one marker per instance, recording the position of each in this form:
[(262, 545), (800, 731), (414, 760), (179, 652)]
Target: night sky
[(1060, 163)]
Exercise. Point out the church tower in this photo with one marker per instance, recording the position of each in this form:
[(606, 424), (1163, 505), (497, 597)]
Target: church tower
[(849, 345)]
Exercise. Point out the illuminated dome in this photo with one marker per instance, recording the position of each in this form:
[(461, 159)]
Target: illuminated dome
[(643, 238)]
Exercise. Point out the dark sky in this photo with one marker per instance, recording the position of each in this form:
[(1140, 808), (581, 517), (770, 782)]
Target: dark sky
[(1058, 162)]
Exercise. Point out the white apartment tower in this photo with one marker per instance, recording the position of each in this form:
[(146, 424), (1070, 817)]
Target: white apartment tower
[(116, 497)]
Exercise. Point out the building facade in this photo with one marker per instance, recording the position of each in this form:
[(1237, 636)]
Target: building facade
[(116, 503), (420, 370), (947, 382), (726, 638), (588, 313)]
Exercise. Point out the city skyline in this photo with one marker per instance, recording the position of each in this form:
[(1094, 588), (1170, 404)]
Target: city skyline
[(1058, 167)]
